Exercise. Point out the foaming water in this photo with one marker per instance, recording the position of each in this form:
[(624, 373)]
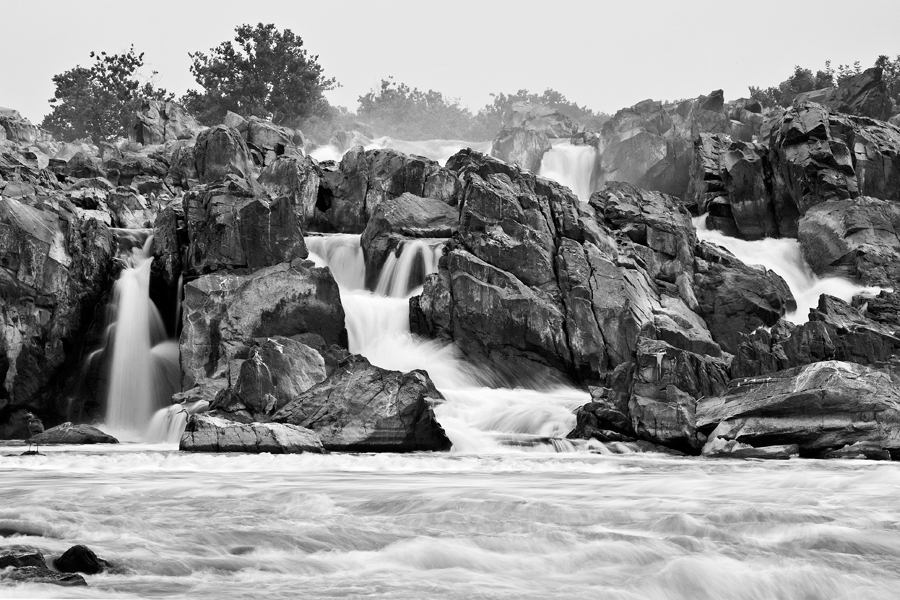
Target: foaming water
[(144, 368), (571, 165), (784, 257), (479, 415), (436, 150), (457, 526)]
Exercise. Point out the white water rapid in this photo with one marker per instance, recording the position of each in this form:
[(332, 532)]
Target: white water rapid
[(784, 257), (571, 165), (478, 416), (144, 365)]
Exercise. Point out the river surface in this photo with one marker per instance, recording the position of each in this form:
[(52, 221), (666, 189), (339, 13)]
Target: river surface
[(513, 525)]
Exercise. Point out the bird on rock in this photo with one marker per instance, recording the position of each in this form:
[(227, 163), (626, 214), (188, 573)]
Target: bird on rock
[(35, 427)]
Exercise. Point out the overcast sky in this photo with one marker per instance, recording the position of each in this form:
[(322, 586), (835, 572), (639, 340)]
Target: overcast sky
[(606, 55)]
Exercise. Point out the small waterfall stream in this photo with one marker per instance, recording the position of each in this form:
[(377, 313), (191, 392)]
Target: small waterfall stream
[(477, 416), (570, 165)]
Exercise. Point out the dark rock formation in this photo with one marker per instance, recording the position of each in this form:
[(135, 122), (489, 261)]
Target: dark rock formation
[(80, 559), (857, 239), (224, 312), (21, 557), (159, 122), (42, 575), (221, 151), (205, 433), (298, 178), (364, 408), (721, 448), (820, 407), (521, 147), (883, 309), (863, 94), (73, 434)]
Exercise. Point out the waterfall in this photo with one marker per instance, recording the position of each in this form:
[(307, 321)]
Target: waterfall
[(168, 423), (784, 257), (571, 166), (144, 369), (478, 416)]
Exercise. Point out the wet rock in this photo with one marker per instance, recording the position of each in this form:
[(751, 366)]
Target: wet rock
[(822, 406), (718, 447), (363, 408), (234, 224), (158, 122), (80, 559), (856, 239), (205, 433), (42, 575), (883, 309), (859, 450), (221, 151), (224, 312), (22, 557), (67, 433), (183, 168), (169, 235), (521, 147)]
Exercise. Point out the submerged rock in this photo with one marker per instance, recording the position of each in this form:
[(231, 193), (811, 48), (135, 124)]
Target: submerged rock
[(22, 557), (67, 433), (80, 559), (205, 433), (364, 408), (42, 575)]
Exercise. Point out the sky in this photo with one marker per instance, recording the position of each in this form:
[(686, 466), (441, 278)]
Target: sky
[(606, 55)]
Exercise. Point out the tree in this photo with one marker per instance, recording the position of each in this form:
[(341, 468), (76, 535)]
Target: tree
[(99, 102), (264, 72), (890, 74)]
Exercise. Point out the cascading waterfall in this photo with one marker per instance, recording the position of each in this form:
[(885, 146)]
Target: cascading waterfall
[(478, 416), (571, 165), (144, 369), (784, 257)]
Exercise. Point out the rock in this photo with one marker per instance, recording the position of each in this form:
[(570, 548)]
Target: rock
[(298, 178), (233, 224), (42, 575), (856, 239), (158, 122), (883, 309), (863, 94), (18, 129), (521, 147), (272, 140), (735, 298), (123, 168), (365, 178), (183, 168), (206, 433), (221, 151), (276, 372), (22, 557), (224, 311), (859, 450), (541, 118), (169, 235), (822, 406), (363, 408), (399, 220), (68, 433), (718, 447), (80, 559)]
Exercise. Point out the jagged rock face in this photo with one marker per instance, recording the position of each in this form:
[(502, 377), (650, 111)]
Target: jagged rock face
[(17, 129), (205, 433), (221, 151), (884, 309), (364, 408), (223, 312), (856, 239), (736, 299), (819, 407), (540, 118), (521, 147), (835, 331), (233, 224), (54, 266), (401, 220), (266, 140), (169, 235), (864, 95), (298, 178), (159, 122), (365, 178), (124, 167)]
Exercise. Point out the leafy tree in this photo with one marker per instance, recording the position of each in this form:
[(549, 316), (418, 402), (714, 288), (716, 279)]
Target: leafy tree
[(890, 70), (99, 102), (264, 72)]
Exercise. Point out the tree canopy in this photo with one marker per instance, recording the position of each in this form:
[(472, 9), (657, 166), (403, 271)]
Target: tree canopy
[(264, 72), (99, 102)]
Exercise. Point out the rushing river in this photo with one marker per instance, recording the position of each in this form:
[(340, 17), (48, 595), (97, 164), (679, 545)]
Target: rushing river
[(458, 526)]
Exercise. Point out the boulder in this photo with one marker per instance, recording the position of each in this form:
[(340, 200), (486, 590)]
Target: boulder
[(234, 224), (67, 433), (859, 450), (158, 122), (223, 312), (521, 147), (541, 118), (221, 151), (855, 239), (124, 167), (17, 128), (364, 408), (21, 557), (718, 447), (298, 178), (42, 575), (823, 406), (205, 433), (80, 559)]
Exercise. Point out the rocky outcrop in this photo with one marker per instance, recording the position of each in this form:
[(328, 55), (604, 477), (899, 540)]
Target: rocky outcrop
[(298, 178), (206, 433), (857, 239), (266, 140), (543, 119), (820, 407), (67, 433), (234, 224), (401, 220), (722, 448), (364, 408), (224, 312), (884, 309), (863, 94), (17, 129), (80, 559), (221, 151), (521, 147), (21, 557), (365, 178), (42, 575), (158, 122)]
